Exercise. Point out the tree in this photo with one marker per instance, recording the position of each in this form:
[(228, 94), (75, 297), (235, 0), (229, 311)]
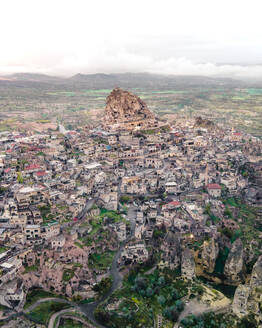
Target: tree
[(161, 281), (103, 286), (102, 316), (188, 321), (248, 321), (161, 299), (179, 305), (125, 199), (227, 232), (149, 292), (171, 313), (175, 295), (140, 283), (228, 213), (20, 177)]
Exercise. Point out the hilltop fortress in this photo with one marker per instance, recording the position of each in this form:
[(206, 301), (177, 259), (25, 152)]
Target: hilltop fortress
[(126, 111)]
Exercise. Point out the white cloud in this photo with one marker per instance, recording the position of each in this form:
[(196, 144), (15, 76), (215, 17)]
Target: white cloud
[(171, 36), (128, 62)]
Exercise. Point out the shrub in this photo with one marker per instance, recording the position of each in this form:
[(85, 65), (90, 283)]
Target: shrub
[(161, 299)]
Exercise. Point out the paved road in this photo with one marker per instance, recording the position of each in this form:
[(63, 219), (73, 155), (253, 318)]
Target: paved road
[(48, 299), (56, 315), (67, 316), (89, 309)]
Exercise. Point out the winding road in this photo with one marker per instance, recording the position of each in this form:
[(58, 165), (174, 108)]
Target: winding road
[(57, 315), (89, 309)]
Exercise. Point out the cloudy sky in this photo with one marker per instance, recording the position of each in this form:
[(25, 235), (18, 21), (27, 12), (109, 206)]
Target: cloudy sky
[(199, 37)]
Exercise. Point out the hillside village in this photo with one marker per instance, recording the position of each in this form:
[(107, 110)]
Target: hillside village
[(177, 196)]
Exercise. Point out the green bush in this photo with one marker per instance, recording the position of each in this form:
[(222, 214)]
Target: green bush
[(103, 286)]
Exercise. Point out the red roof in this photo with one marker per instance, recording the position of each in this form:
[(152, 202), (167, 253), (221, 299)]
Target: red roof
[(237, 134), (174, 203), (213, 186), (7, 170), (40, 173), (32, 167)]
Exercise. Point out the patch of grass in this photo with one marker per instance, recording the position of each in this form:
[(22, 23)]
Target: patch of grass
[(87, 301), (78, 244), (36, 294), (101, 261), (4, 308), (113, 215), (3, 249), (31, 268), (44, 311), (46, 213), (70, 323), (77, 265), (68, 274)]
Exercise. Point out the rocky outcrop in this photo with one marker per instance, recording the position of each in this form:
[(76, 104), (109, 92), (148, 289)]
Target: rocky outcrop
[(256, 275), (126, 111), (248, 298), (233, 269), (188, 264), (203, 123), (209, 255), (171, 250), (239, 305), (255, 302), (254, 194)]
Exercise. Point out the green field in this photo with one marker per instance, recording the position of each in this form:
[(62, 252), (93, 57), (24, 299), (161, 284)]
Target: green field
[(44, 311)]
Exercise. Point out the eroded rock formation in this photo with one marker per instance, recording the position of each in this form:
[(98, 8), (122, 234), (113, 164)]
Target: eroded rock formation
[(209, 255), (234, 264), (239, 305), (248, 298), (204, 123), (188, 264), (126, 111), (256, 275)]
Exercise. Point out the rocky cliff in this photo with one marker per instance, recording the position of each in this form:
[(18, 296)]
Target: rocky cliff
[(188, 264), (124, 110), (209, 255), (234, 264), (248, 297), (256, 275)]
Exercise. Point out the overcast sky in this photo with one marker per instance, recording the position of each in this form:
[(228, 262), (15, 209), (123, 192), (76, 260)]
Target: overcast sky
[(64, 37)]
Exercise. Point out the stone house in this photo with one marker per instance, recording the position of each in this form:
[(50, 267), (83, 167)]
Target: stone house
[(136, 253), (58, 242), (33, 234), (214, 190), (120, 229), (229, 181)]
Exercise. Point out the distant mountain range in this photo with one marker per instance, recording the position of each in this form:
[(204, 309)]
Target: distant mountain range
[(124, 80)]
